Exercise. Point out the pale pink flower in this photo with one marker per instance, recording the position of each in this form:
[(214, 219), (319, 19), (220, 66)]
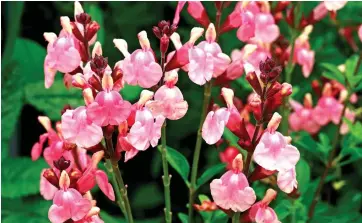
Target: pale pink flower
[(287, 180), (303, 55), (62, 52), (104, 185), (232, 190), (334, 5), (350, 115), (328, 109), (266, 30), (215, 121), (108, 108), (260, 212), (146, 130), (169, 100), (273, 151), (68, 203), (140, 67), (79, 129), (302, 117), (47, 190)]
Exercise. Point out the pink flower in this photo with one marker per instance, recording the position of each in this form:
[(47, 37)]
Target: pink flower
[(169, 100), (68, 203), (334, 5), (350, 115), (302, 117), (303, 55), (47, 190), (104, 185), (146, 130), (265, 28), (287, 180), (327, 109), (140, 67), (79, 129), (108, 107), (260, 212), (62, 53), (273, 151), (232, 190), (92, 216), (215, 122)]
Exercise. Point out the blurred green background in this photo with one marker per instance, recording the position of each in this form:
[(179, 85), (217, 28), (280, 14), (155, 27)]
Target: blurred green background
[(24, 98)]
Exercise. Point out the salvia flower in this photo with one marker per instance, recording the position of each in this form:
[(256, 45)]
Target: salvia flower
[(260, 212), (303, 55), (287, 180), (232, 190), (140, 67)]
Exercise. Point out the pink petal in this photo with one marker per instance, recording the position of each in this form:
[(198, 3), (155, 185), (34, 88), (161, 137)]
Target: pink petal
[(360, 33), (130, 154), (37, 148), (80, 208), (334, 5), (214, 125), (288, 157), (49, 72), (287, 180), (201, 66), (106, 188), (47, 190), (58, 214)]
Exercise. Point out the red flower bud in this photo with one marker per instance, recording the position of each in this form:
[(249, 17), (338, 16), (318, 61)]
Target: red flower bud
[(260, 173), (95, 83), (83, 18), (273, 89), (164, 43), (92, 29), (98, 65), (198, 12), (76, 32), (253, 80), (52, 178), (61, 164), (228, 156), (157, 32)]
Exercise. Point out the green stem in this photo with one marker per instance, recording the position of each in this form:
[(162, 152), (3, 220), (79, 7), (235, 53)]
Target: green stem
[(117, 176), (166, 177), (236, 217), (195, 162), (119, 200)]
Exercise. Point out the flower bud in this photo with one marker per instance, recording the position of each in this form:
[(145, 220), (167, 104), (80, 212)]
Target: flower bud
[(98, 64), (228, 95), (97, 49), (274, 122), (286, 89), (76, 32), (269, 196), (61, 164), (198, 12), (83, 18), (95, 83), (308, 102), (92, 29), (343, 95), (206, 206), (273, 89), (157, 32), (64, 180), (164, 43), (253, 80), (210, 34), (51, 177), (260, 173), (117, 72), (238, 163), (88, 96)]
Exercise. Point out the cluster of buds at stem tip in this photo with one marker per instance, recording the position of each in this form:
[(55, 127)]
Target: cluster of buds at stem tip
[(163, 31), (89, 29)]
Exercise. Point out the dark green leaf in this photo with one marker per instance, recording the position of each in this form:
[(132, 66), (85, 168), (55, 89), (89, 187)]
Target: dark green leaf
[(150, 191), (219, 217), (52, 100), (283, 209), (178, 162), (183, 217), (338, 75), (210, 173), (21, 176), (303, 175)]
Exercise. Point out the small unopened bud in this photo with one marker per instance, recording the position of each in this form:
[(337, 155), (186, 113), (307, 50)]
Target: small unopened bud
[(228, 95), (274, 122), (51, 177), (343, 95), (164, 43), (269, 196), (253, 80), (286, 89), (83, 18), (98, 64), (107, 82), (267, 65), (308, 102), (65, 22), (97, 49), (76, 32), (273, 89), (157, 32), (210, 34), (61, 164), (196, 33), (92, 29), (88, 96), (95, 83), (238, 163), (143, 39), (327, 90)]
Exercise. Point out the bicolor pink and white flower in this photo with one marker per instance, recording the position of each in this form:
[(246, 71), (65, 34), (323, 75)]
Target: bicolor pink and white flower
[(287, 180), (62, 52), (273, 151), (68, 203), (140, 67), (260, 212), (232, 190), (77, 128)]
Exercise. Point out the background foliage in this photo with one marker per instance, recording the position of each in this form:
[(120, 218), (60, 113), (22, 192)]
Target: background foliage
[(24, 98)]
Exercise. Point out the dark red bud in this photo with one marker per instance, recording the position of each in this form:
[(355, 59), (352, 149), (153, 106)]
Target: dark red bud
[(117, 74), (61, 164), (157, 32), (164, 43), (98, 64), (267, 65), (52, 178), (273, 89), (253, 80), (76, 32), (83, 18), (95, 83), (92, 29), (260, 173)]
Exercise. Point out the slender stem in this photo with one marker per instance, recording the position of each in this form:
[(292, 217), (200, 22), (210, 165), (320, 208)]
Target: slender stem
[(236, 217), (166, 177), (195, 162), (119, 200), (119, 181)]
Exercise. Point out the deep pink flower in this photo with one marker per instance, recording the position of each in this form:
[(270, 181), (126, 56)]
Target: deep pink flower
[(108, 107), (260, 212), (146, 130), (287, 180), (47, 190), (215, 121), (140, 67), (232, 190), (68, 203), (302, 117), (169, 100), (79, 129), (62, 53), (273, 151)]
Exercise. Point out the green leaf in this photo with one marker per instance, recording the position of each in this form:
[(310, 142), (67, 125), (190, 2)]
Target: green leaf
[(335, 74), (29, 56), (351, 65), (210, 173), (303, 140), (52, 100), (150, 191), (111, 219), (203, 197), (283, 209), (131, 93), (183, 217), (219, 217), (324, 145), (97, 15), (21, 176), (303, 175), (178, 162)]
